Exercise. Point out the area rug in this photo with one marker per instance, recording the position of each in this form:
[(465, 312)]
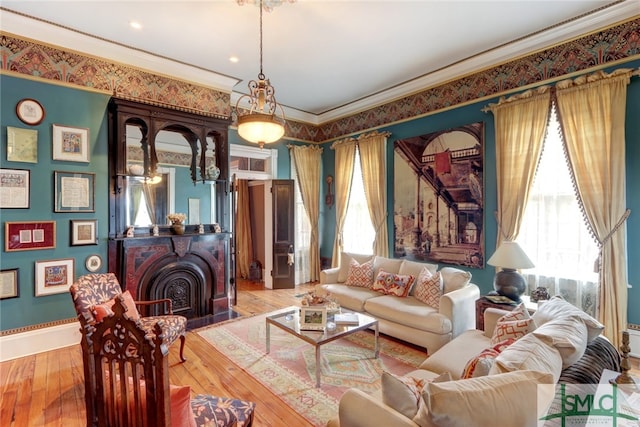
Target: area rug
[(289, 369)]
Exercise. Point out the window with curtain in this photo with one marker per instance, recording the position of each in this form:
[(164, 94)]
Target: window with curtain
[(553, 232), (302, 234), (358, 232)]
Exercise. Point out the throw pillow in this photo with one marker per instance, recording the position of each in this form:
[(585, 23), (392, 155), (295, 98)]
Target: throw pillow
[(567, 334), (557, 307), (511, 329), (393, 284), (481, 401), (454, 278), (360, 274), (404, 393), (428, 288), (480, 365), (345, 262), (518, 313), (100, 311)]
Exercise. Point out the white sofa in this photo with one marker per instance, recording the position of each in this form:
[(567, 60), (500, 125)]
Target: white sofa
[(565, 350), (407, 318)]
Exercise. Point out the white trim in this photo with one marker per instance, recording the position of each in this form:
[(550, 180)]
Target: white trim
[(634, 343), (39, 340)]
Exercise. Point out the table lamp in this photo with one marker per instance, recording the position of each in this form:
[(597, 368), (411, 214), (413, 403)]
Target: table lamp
[(508, 282)]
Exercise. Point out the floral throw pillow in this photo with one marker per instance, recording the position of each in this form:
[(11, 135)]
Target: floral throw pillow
[(393, 284), (480, 365), (428, 288), (360, 274), (100, 311)]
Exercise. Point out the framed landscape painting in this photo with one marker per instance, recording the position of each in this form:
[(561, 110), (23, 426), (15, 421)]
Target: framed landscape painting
[(439, 196)]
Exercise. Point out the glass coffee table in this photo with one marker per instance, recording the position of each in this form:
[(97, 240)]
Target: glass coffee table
[(288, 319)]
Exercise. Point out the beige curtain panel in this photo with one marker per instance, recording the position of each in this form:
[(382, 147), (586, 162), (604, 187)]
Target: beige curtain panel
[(373, 149), (307, 162), (345, 157), (244, 239)]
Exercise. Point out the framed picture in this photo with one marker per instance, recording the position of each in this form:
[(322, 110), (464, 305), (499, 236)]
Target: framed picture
[(74, 191), (93, 263), (54, 277), (29, 235), (84, 232), (14, 188), (30, 111), (9, 285), (313, 319), (22, 145), (71, 144)]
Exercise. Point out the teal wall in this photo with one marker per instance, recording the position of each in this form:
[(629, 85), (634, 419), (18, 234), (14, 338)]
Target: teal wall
[(72, 107)]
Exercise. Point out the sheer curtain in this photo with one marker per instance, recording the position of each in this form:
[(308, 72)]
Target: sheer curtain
[(345, 155), (358, 233), (305, 166), (372, 148), (592, 114)]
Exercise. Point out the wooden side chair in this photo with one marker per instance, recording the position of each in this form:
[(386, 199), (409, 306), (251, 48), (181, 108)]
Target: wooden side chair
[(94, 294), (132, 387)]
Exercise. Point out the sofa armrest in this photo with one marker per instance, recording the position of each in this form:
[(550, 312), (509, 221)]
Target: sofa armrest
[(330, 275), (358, 409), (491, 316), (459, 306)]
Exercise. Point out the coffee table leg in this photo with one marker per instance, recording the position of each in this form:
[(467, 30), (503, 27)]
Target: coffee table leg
[(317, 366), (268, 337), (377, 348)]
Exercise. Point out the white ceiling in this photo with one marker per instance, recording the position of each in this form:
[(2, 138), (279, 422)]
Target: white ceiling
[(325, 58)]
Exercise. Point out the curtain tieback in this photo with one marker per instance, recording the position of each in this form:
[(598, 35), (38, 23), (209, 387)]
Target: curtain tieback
[(621, 221)]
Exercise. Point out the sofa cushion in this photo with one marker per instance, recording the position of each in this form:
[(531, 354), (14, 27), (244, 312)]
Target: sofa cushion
[(481, 364), (345, 262), (390, 265), (360, 274), (404, 393), (454, 278), (409, 312), (351, 297), (483, 401), (414, 268), (428, 288), (511, 329), (453, 356), (568, 335), (529, 353), (392, 284), (557, 307)]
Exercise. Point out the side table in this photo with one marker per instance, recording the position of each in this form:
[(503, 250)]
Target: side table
[(483, 303)]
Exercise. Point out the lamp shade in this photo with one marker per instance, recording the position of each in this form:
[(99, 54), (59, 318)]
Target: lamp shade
[(510, 255), (260, 128)]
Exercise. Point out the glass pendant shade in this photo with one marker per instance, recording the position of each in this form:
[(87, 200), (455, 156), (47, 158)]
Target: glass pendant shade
[(260, 128)]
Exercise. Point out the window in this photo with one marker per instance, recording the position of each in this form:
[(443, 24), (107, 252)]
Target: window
[(554, 233), (358, 232)]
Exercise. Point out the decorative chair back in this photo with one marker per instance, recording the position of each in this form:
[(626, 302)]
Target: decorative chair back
[(93, 289)]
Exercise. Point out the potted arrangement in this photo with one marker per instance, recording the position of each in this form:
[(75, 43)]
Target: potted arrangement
[(177, 220)]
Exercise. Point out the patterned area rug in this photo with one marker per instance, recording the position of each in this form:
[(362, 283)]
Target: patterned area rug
[(289, 370)]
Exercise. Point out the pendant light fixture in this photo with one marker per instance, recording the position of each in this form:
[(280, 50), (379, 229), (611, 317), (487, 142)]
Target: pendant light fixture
[(258, 122)]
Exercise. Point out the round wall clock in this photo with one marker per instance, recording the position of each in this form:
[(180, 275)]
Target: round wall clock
[(93, 263), (30, 111)]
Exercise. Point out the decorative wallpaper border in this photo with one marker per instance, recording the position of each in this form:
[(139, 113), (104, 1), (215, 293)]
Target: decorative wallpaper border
[(38, 326), (620, 43)]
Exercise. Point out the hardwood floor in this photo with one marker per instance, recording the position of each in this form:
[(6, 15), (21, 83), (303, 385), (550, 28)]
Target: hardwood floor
[(47, 389)]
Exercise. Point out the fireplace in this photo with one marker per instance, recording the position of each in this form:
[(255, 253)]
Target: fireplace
[(190, 270)]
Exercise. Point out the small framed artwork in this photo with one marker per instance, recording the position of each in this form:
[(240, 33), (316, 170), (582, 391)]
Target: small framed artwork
[(29, 235), (71, 144), (30, 111), (9, 285), (93, 263), (84, 232), (54, 277), (313, 319), (74, 191), (22, 145), (14, 188)]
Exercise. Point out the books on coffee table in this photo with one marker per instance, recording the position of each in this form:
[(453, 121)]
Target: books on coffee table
[(346, 319)]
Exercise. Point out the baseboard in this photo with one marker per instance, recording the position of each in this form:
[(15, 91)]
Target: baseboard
[(39, 340), (634, 342)]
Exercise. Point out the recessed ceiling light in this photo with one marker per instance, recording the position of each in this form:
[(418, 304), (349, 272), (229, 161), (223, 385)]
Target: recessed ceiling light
[(135, 24), (234, 59)]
